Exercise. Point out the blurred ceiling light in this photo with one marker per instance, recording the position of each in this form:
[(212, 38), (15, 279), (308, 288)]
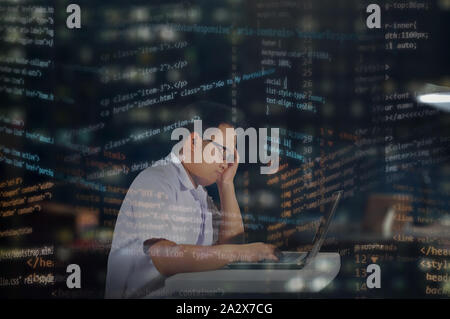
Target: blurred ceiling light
[(139, 14), (221, 15), (436, 96), (266, 199), (444, 4), (143, 33), (174, 75), (168, 34), (194, 14)]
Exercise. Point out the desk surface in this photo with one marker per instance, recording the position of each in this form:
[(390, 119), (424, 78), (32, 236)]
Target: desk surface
[(312, 278)]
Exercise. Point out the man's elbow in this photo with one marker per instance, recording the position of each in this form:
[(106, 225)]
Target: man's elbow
[(162, 254), (163, 268)]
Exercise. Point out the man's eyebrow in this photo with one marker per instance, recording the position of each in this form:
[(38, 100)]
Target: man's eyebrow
[(219, 145)]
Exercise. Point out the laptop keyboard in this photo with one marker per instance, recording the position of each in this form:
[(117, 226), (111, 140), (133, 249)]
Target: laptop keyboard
[(286, 261)]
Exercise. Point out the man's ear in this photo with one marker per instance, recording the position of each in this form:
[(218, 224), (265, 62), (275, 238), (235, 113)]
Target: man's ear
[(194, 146), (194, 138), (189, 141)]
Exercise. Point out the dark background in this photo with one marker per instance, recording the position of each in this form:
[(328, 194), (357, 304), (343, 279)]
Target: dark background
[(357, 82)]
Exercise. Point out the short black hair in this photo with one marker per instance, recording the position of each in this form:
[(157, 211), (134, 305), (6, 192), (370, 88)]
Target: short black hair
[(212, 114)]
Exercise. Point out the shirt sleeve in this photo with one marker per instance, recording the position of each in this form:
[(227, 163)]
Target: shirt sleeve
[(145, 214), (149, 211)]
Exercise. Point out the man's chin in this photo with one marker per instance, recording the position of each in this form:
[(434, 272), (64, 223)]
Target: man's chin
[(210, 183), (207, 182)]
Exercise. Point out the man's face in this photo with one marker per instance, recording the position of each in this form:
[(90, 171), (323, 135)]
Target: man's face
[(214, 154)]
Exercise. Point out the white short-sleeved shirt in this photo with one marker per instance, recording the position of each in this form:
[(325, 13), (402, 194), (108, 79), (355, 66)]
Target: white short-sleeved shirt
[(160, 203)]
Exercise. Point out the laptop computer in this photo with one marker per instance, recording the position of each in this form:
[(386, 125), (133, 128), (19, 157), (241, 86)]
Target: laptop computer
[(293, 259)]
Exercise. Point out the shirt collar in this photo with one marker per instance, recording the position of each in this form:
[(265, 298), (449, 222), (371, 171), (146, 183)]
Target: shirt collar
[(182, 174)]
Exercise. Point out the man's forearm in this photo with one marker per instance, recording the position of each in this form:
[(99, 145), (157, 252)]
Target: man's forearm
[(170, 258), (231, 225)]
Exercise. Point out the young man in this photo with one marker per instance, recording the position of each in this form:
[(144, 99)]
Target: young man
[(168, 224)]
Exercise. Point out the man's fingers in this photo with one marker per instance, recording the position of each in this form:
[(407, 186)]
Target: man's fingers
[(277, 252), (260, 251)]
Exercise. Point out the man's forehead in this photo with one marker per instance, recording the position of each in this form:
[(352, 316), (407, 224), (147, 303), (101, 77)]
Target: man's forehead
[(227, 131), (225, 125)]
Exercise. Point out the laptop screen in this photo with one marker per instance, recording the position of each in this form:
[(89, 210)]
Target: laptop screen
[(324, 224)]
